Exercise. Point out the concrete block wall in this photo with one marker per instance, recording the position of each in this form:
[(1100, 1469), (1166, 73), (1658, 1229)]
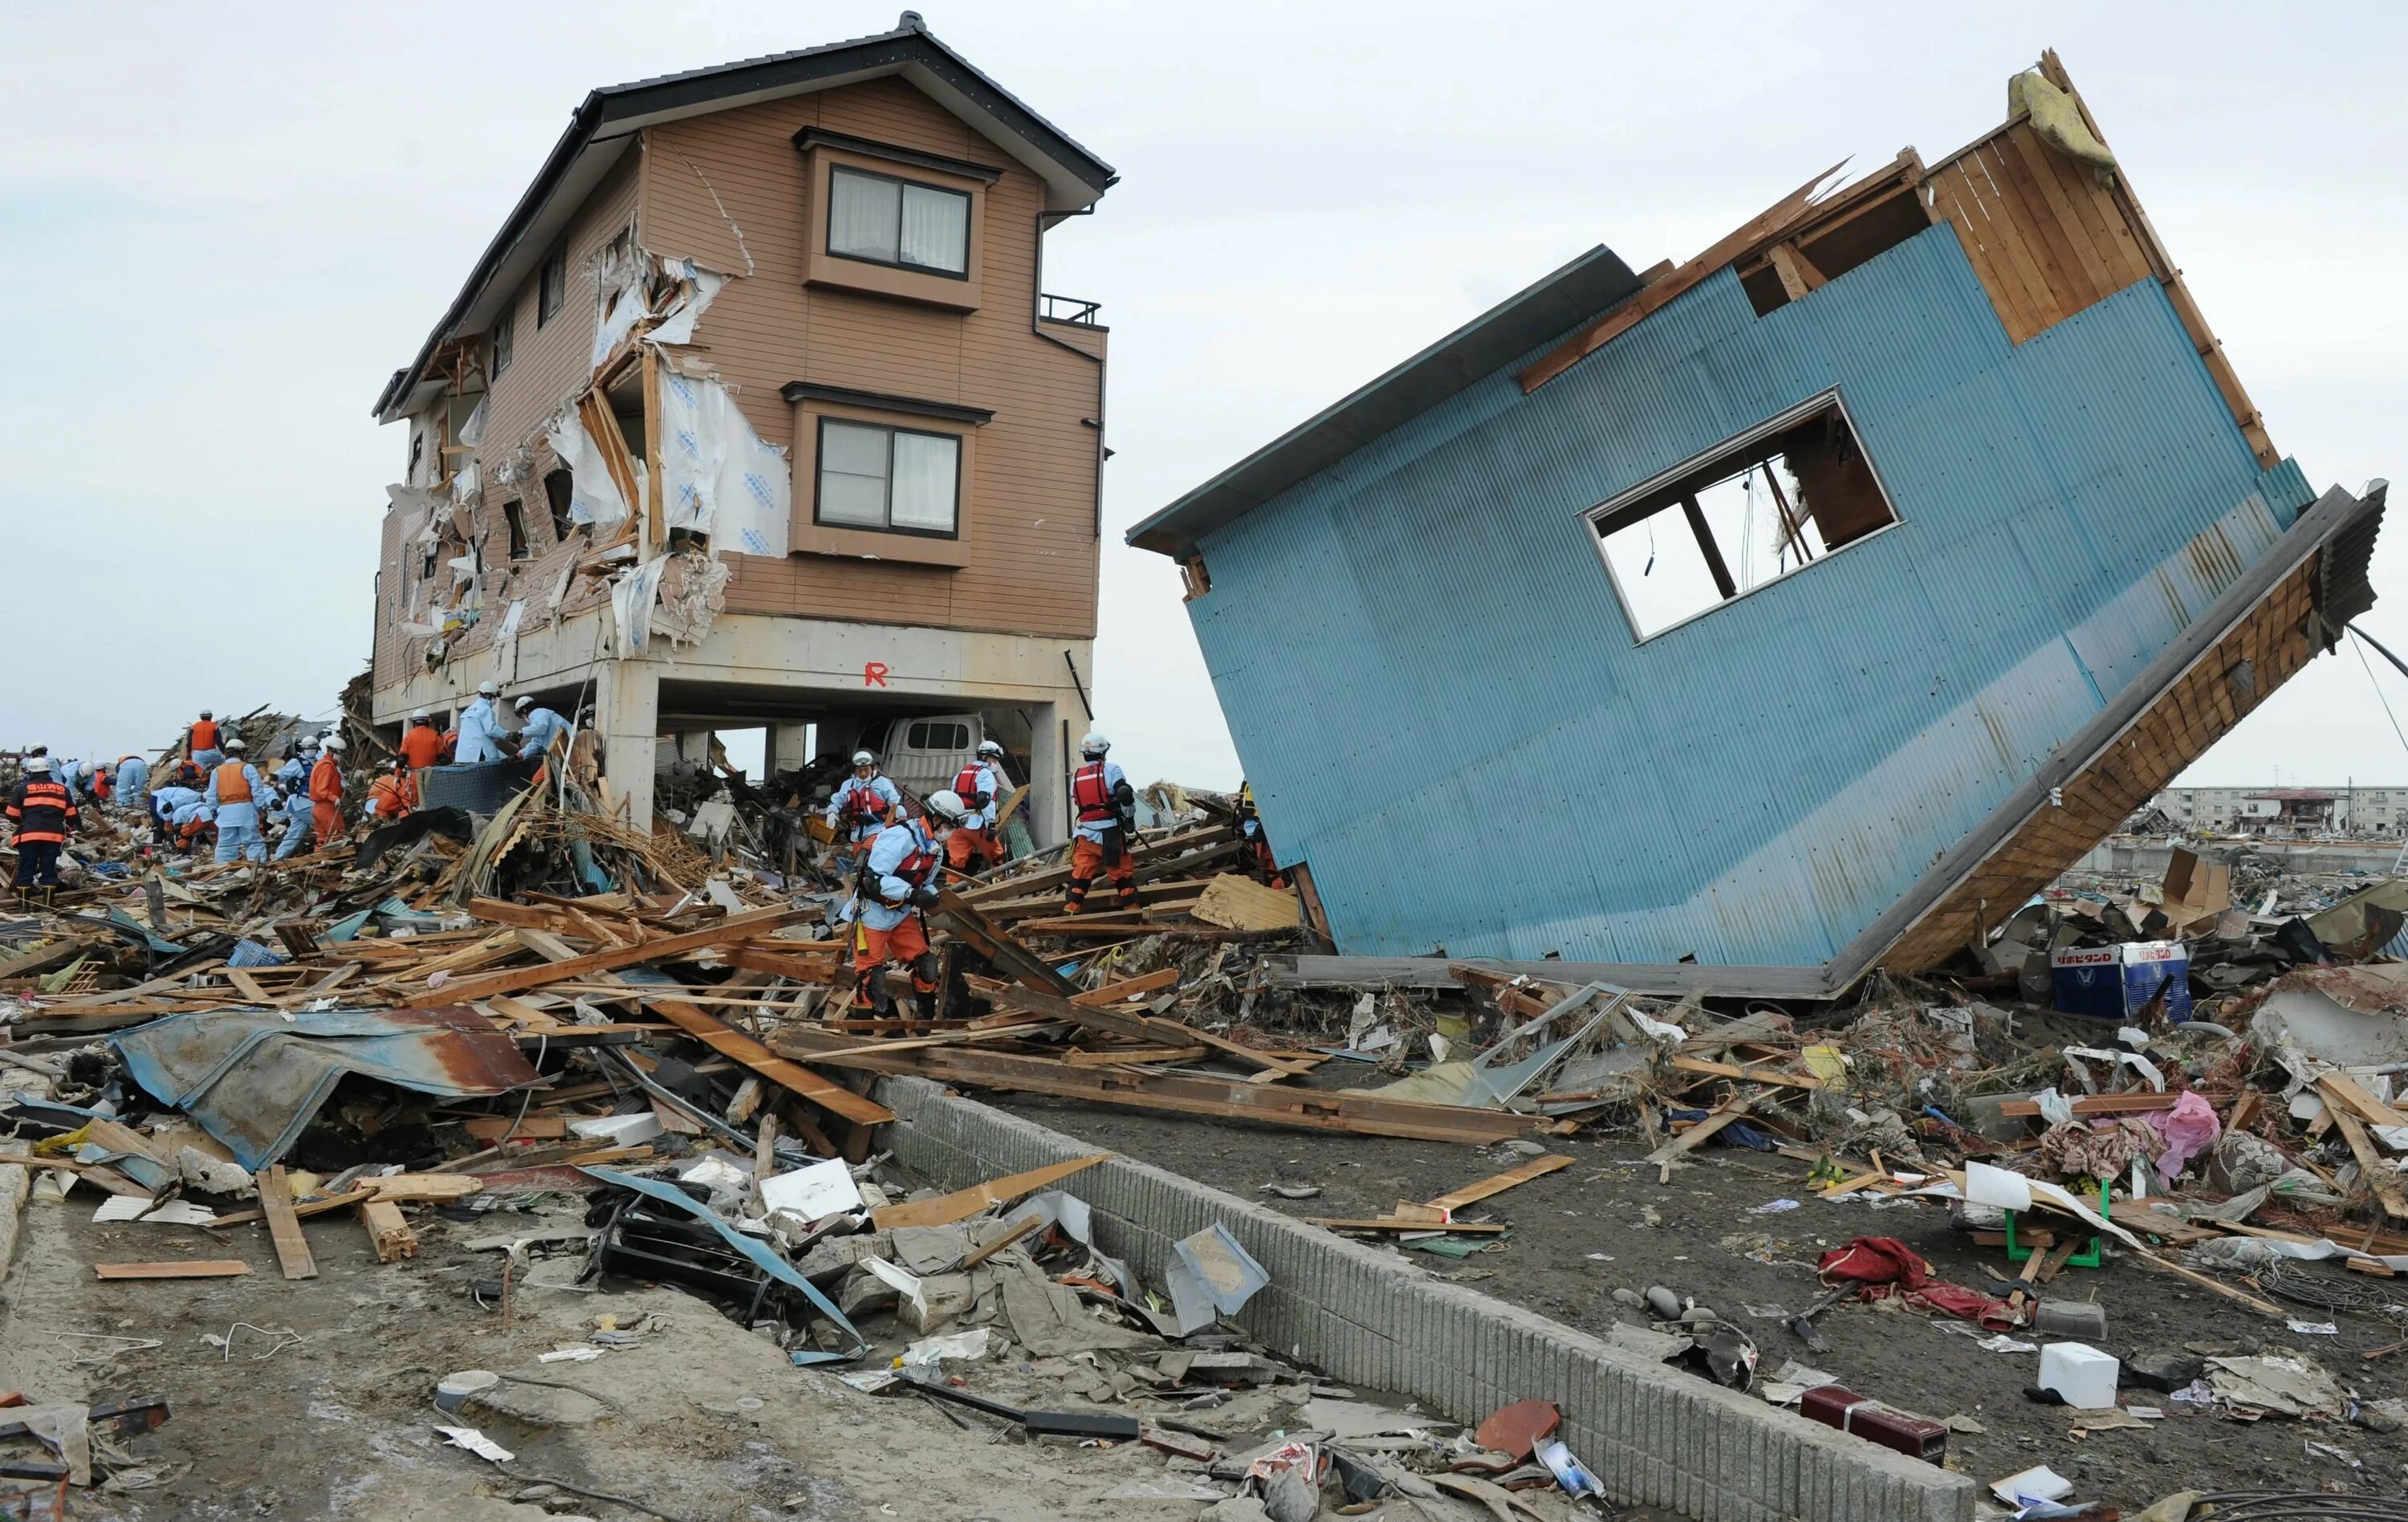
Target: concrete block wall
[(1654, 1435)]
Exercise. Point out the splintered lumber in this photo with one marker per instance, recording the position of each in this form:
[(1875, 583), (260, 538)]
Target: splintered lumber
[(1240, 903), (1749, 1075), (1146, 1027), (1537, 1168), (1392, 1223), (2373, 1171), (964, 1203), (1273, 1104), (733, 927), (737, 1046), (1209, 842), (388, 1233), (995, 1244), (284, 1226), (421, 1187), (2345, 1091), (2099, 1104), (1109, 1056), (1665, 1155), (753, 956), (957, 914), (194, 1267), (301, 1208)]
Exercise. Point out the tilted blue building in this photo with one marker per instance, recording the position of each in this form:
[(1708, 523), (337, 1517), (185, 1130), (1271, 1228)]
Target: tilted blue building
[(1818, 600)]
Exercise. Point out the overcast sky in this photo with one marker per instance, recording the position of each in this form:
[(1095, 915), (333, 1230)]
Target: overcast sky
[(225, 225)]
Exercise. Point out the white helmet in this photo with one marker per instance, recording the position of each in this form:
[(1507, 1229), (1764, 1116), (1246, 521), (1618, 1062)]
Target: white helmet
[(863, 758), (1095, 745), (523, 704), (207, 714), (988, 747), (489, 689), (38, 767), (947, 805), (332, 742), (233, 746), (418, 715)]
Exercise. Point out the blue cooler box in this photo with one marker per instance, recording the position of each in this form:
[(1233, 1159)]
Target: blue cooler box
[(2117, 982)]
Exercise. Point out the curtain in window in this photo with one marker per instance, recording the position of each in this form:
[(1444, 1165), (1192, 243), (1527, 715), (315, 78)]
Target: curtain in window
[(853, 475), (926, 469), (863, 215), (936, 229)]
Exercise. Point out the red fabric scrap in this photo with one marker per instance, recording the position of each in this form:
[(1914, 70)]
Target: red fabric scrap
[(1881, 1267)]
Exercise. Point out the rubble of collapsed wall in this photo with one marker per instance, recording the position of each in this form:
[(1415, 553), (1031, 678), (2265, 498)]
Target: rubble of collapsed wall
[(477, 579)]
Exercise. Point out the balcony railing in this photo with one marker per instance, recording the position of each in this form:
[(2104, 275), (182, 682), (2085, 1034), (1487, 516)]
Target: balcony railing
[(1054, 309)]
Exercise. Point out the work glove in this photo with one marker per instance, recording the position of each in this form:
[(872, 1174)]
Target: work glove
[(924, 896)]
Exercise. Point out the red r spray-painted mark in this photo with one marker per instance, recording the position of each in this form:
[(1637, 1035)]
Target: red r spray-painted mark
[(873, 673)]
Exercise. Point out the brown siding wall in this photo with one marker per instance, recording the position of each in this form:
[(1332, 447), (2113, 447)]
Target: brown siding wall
[(1031, 503)]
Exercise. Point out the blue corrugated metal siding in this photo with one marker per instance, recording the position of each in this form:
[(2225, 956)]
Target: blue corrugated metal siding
[(1441, 706)]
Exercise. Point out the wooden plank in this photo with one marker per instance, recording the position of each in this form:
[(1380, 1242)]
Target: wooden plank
[(755, 957), (1111, 1056), (737, 1046), (1688, 1141), (1273, 1104), (248, 987), (1240, 903), (284, 1226), (2041, 226), (1391, 1223), (195, 1268), (2341, 1089), (1653, 298), (2019, 241), (1537, 1168), (997, 1243), (1752, 1075), (2373, 1174), (2099, 1104), (388, 1233), (733, 927), (957, 914), (961, 1204), (1799, 278)]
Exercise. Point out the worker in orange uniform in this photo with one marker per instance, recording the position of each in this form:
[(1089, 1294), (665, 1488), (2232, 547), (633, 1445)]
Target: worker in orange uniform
[(201, 742), (326, 791), (1104, 807), (897, 881), (972, 848), (394, 794), (44, 812), (422, 743)]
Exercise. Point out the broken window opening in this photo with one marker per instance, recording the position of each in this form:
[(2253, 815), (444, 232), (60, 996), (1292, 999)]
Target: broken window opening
[(1822, 252), (514, 519), (551, 286), (1198, 578), (558, 487), (501, 343), (1741, 516)]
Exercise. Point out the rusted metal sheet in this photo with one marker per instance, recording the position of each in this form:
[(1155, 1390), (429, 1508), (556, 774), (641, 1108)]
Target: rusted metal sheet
[(255, 1079)]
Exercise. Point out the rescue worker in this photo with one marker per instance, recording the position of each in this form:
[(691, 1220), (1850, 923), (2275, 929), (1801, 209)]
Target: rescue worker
[(239, 795), (422, 743), (186, 772), (1104, 810), (201, 742), (188, 813), (131, 784), (480, 728), (862, 806), (70, 775), (294, 775), (163, 804), (394, 794), (896, 883), (300, 817), (103, 784), (972, 848), (1258, 846), (44, 812), (537, 726), (326, 791)]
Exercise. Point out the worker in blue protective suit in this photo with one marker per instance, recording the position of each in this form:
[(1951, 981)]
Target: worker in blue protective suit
[(294, 775), (296, 810), (897, 881), (131, 787), (862, 806), (75, 777), (187, 812), (1104, 810), (239, 795), (480, 728), (537, 726)]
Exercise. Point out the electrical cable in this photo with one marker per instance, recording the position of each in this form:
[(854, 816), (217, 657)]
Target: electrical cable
[(2361, 648)]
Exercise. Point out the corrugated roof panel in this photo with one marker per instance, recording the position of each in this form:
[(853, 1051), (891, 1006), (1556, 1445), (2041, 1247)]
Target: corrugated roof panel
[(1431, 681)]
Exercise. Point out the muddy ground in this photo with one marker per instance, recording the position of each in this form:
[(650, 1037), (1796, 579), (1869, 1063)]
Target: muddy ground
[(1603, 1223), (320, 1406)]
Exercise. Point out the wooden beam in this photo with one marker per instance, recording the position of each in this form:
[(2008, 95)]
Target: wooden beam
[(2099, 1104), (733, 1044), (961, 1204), (1688, 1141), (1798, 275), (1750, 1075), (1391, 1223), (284, 1226), (1707, 547), (2373, 1172), (733, 927), (194, 1268), (654, 515), (388, 1233), (1537, 1168), (1651, 298)]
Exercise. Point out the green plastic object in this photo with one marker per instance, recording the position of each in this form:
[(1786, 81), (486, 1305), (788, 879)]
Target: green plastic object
[(2087, 1258)]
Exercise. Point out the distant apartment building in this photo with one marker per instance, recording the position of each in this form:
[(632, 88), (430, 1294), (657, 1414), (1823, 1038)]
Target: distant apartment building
[(2285, 811)]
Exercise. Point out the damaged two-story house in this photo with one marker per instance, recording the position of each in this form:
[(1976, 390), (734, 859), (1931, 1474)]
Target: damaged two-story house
[(1801, 609), (755, 414)]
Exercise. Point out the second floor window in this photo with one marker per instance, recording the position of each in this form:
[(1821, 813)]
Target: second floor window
[(897, 222), (502, 326), (552, 286), (891, 479)]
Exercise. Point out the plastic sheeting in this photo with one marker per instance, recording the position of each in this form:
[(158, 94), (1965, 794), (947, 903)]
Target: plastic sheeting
[(677, 325), (593, 496), (720, 478), (632, 597)]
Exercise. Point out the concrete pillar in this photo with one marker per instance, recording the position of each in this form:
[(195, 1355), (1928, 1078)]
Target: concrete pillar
[(1048, 776), (627, 713), (789, 748)]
